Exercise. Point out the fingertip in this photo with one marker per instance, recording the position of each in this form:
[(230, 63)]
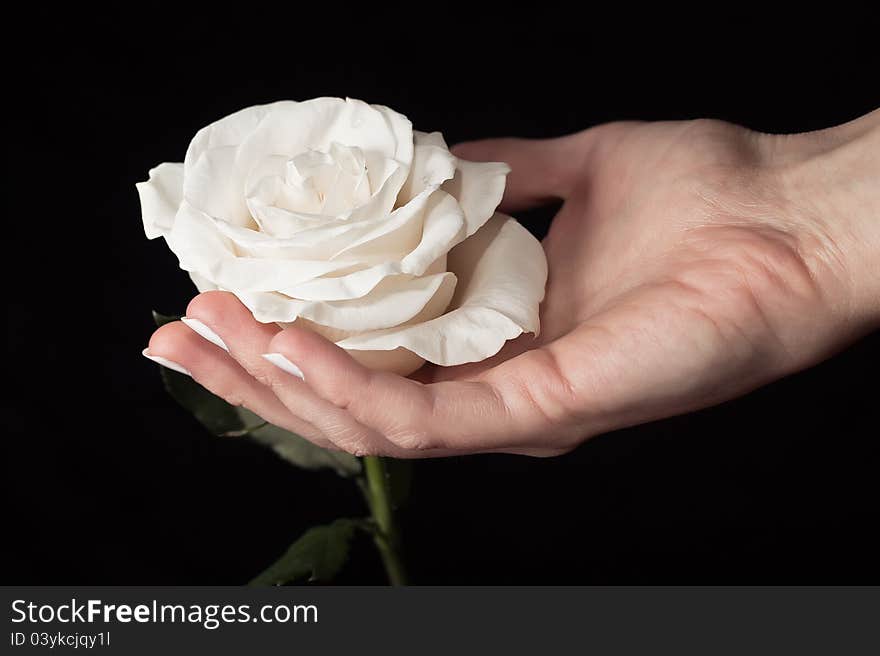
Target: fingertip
[(466, 150), (174, 346), (483, 150), (541, 170), (211, 307), (170, 340)]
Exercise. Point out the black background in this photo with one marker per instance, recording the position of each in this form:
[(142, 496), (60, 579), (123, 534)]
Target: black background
[(107, 481)]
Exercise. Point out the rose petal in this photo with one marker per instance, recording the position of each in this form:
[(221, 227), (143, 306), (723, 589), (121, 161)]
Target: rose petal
[(502, 267), (399, 361), (432, 165), (393, 302), (203, 249), (478, 186), (383, 201), (351, 187), (272, 202), (215, 185), (160, 197), (291, 128), (268, 186), (443, 227), (390, 236), (372, 240), (230, 130), (502, 271), (379, 169), (339, 288)]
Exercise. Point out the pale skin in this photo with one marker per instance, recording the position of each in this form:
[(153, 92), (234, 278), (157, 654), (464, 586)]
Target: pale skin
[(690, 263)]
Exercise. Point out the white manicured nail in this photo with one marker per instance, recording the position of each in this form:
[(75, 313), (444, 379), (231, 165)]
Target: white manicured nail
[(200, 328), (165, 362), (284, 364)]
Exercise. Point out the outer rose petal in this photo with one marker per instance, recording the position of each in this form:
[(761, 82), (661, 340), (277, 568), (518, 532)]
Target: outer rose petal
[(394, 301), (215, 185), (360, 242), (478, 186), (291, 128), (228, 131), (160, 197), (502, 271), (222, 155), (204, 250), (214, 182), (432, 165)]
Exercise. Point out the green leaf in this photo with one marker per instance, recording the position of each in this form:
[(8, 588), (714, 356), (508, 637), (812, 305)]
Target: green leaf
[(211, 411), (297, 450), (316, 556), (162, 319)]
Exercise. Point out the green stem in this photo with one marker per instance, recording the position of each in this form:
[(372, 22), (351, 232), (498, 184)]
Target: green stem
[(386, 537)]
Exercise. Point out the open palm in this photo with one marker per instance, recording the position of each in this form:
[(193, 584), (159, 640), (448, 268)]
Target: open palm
[(681, 274)]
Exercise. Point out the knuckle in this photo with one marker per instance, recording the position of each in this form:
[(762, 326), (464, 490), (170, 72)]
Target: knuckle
[(359, 448), (412, 439), (351, 439), (264, 377), (365, 450), (225, 389)]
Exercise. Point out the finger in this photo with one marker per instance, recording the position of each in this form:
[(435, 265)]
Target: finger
[(219, 373), (224, 320), (227, 320), (541, 170), (443, 418), (334, 421), (246, 339)]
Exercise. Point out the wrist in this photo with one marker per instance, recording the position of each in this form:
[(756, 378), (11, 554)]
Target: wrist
[(831, 182)]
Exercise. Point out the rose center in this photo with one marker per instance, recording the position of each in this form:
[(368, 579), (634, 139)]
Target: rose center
[(330, 182)]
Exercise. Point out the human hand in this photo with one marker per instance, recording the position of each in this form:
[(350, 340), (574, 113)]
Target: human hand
[(690, 263)]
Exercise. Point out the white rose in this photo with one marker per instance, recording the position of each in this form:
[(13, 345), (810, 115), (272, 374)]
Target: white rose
[(334, 214)]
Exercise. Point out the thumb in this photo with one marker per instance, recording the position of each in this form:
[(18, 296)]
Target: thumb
[(542, 170)]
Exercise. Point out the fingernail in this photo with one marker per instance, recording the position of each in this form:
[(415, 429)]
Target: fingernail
[(165, 362), (200, 328), (284, 364)]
